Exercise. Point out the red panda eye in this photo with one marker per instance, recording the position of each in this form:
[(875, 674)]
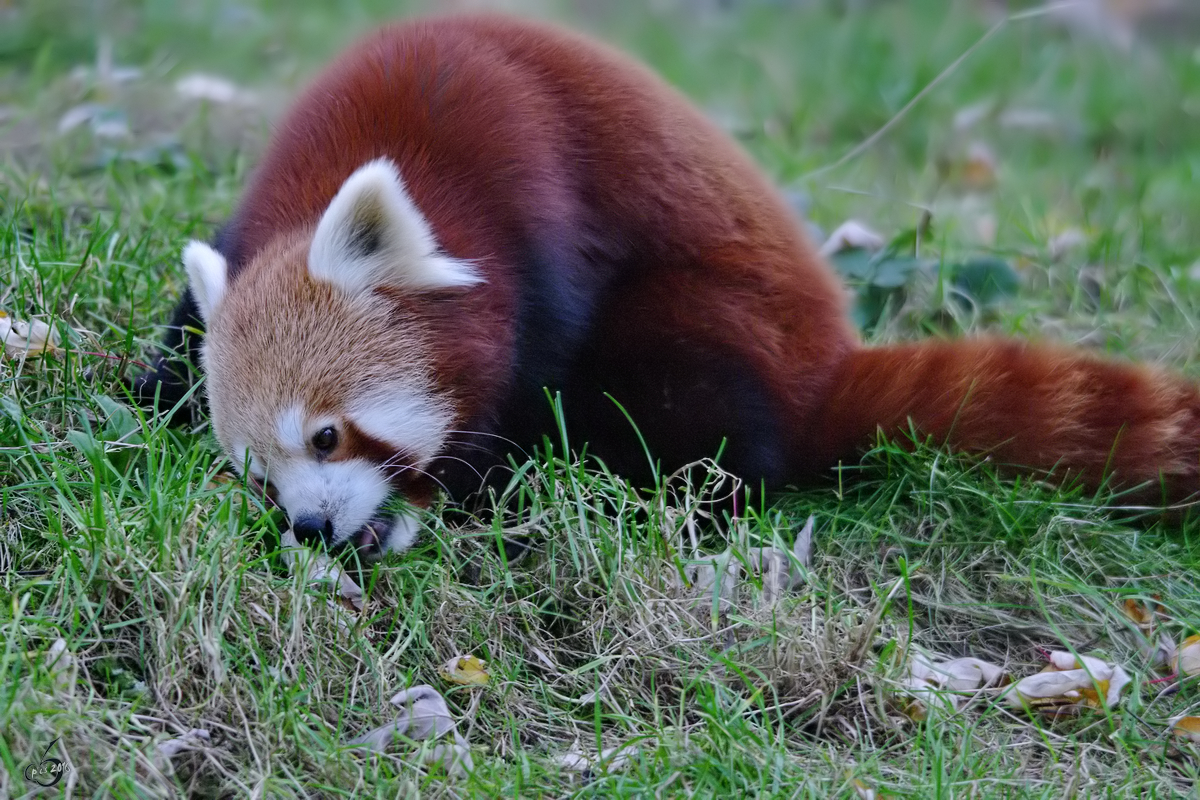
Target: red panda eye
[(324, 440)]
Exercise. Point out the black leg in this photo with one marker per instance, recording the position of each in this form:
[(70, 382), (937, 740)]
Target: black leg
[(164, 387)]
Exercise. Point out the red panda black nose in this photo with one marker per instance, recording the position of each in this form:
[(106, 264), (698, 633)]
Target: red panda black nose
[(310, 529)]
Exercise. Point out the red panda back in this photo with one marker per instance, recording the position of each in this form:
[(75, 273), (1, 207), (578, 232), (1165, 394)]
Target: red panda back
[(564, 170), (625, 250)]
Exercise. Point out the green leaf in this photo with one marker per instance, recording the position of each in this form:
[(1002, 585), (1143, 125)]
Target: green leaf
[(895, 272), (986, 280), (119, 422), (86, 444), (854, 263)]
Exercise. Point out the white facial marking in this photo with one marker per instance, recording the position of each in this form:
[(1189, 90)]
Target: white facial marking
[(348, 493), (404, 417), (289, 429), (207, 271), (373, 235), (244, 461), (403, 533), (239, 455)]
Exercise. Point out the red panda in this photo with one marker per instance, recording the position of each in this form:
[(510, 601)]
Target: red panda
[(462, 212)]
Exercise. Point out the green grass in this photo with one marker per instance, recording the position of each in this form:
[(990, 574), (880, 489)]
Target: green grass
[(178, 612)]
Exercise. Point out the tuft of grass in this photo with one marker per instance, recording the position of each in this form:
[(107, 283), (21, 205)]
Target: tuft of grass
[(121, 537)]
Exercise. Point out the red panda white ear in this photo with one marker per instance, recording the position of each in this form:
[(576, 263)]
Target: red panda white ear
[(208, 275), (374, 236)]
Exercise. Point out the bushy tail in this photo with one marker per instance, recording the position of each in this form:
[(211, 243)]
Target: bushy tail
[(1044, 408)]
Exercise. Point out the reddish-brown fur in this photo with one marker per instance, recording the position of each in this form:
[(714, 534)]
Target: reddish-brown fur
[(1042, 407), (488, 158), (658, 261)]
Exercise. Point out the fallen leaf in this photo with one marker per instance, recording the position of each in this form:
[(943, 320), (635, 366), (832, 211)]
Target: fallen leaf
[(212, 89), (945, 684), (60, 662), (169, 749), (1186, 728), (23, 339), (573, 762), (466, 671), (1162, 653), (106, 122), (78, 115), (1051, 687), (1070, 683), (423, 715), (320, 569), (986, 226), (1097, 18), (967, 118), (194, 739), (1032, 120), (979, 167), (1137, 611), (863, 791), (803, 548), (774, 566), (1113, 676), (852, 235), (970, 674), (719, 572), (781, 571), (611, 759), (1188, 662), (1059, 246), (1060, 660)]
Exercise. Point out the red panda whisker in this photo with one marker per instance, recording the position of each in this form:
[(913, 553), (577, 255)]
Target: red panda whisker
[(475, 447), (462, 461), (504, 439), (392, 472)]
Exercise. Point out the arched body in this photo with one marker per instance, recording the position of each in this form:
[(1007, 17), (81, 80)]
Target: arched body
[(462, 212)]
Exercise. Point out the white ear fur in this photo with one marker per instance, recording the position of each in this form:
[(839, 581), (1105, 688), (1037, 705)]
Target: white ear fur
[(373, 235), (208, 275)]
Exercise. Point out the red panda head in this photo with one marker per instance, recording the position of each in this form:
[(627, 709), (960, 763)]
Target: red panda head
[(319, 383)]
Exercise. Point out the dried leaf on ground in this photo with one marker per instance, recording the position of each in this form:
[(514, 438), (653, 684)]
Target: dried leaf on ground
[(1069, 684), (22, 339), (852, 235), (1186, 729), (106, 122), (194, 739), (466, 671), (1118, 22), (611, 759), (979, 167), (1161, 654), (1059, 246), (1188, 662), (320, 568), (803, 548), (945, 684), (212, 89), (423, 715), (862, 791), (720, 572), (780, 571), (1137, 611), (61, 664)]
